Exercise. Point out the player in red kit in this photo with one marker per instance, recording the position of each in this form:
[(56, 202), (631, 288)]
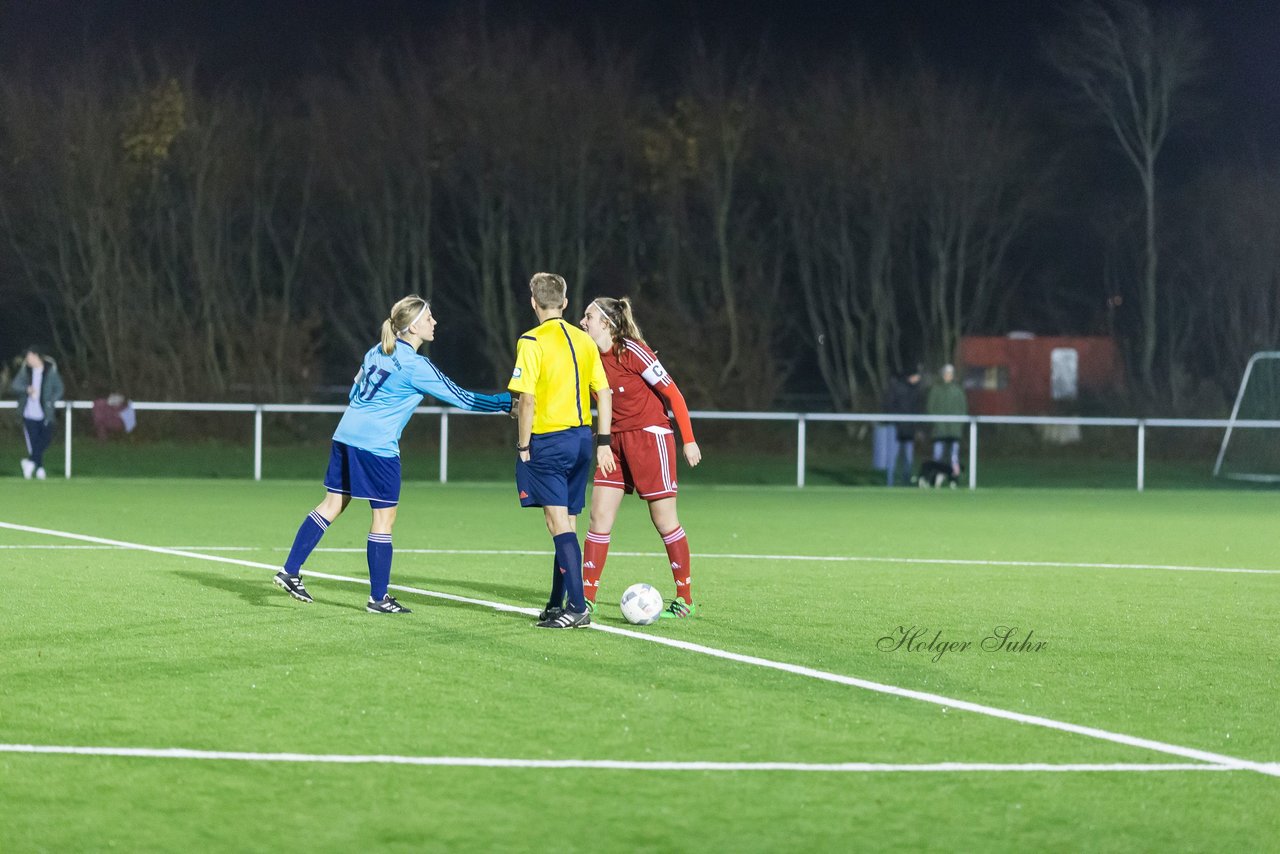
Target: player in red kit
[(643, 444)]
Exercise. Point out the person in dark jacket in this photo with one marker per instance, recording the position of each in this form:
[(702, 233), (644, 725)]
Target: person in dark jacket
[(903, 398), (947, 398), (38, 387)]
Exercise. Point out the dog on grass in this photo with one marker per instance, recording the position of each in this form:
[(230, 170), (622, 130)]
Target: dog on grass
[(935, 475)]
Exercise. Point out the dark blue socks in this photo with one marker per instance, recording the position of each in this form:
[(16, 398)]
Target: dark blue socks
[(569, 570), (307, 538), (557, 584), (379, 552)]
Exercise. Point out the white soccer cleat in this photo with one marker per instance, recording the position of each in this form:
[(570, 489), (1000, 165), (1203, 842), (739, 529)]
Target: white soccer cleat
[(40, 475), (28, 468)]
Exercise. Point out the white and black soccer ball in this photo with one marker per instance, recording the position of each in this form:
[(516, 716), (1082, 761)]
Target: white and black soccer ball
[(641, 604)]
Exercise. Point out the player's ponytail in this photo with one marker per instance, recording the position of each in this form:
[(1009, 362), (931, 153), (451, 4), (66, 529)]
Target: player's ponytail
[(627, 321), (404, 314), (388, 337), (622, 323)]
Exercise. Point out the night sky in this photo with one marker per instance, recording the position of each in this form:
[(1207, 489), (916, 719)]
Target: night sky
[(990, 40)]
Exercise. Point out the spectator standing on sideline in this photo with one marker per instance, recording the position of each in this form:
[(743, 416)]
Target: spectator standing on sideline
[(364, 456), (557, 368), (947, 398), (903, 398), (38, 387)]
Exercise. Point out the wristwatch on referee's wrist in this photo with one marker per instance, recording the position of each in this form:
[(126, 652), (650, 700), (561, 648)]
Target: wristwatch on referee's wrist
[(520, 447)]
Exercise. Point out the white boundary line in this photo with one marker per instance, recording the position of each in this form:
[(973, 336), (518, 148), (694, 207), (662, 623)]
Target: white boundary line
[(118, 548), (606, 764), (1272, 769), (1033, 564), (858, 559)]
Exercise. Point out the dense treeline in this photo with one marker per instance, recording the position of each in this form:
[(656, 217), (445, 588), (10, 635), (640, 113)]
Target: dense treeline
[(184, 240)]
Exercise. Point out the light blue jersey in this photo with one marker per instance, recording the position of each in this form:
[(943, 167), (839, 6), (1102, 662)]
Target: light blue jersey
[(389, 388)]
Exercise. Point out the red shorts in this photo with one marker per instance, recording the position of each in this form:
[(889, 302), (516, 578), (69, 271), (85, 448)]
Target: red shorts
[(646, 463)]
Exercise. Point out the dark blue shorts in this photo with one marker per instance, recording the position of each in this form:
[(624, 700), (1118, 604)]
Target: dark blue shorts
[(557, 471), (360, 474)]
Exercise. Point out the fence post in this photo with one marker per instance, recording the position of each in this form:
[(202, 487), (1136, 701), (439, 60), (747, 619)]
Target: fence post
[(66, 451), (1142, 453), (444, 446), (257, 442), (800, 452), (973, 453)]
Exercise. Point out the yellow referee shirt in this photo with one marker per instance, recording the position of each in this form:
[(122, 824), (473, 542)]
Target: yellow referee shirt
[(560, 366)]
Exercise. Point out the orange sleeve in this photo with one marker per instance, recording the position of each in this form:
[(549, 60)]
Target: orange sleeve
[(671, 396)]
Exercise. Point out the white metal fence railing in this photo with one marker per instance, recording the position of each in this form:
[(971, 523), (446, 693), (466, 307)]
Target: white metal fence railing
[(800, 419)]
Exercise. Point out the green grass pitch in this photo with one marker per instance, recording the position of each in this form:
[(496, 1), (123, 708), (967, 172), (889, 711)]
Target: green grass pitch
[(115, 647)]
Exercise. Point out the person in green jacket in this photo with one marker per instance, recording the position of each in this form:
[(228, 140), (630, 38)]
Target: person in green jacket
[(947, 398)]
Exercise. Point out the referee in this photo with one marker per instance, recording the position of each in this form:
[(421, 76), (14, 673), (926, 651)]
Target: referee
[(557, 368)]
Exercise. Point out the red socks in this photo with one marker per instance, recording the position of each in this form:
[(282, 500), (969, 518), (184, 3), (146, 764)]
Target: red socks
[(678, 553), (597, 550), (593, 558)]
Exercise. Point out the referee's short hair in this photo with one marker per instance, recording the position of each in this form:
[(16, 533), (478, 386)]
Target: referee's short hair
[(548, 290)]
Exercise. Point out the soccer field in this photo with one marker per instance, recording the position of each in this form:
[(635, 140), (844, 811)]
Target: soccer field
[(839, 690)]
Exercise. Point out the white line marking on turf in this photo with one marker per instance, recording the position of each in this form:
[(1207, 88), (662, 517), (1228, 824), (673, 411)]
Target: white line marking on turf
[(118, 548), (846, 558), (1033, 564), (798, 670), (608, 764)]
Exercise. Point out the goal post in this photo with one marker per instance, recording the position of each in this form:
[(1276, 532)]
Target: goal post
[(1253, 453)]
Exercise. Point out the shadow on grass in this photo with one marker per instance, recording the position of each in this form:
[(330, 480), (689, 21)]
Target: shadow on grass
[(513, 594), (261, 593), (843, 477)]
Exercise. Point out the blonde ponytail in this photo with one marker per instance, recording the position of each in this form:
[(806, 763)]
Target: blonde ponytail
[(629, 327), (388, 338), (404, 314)]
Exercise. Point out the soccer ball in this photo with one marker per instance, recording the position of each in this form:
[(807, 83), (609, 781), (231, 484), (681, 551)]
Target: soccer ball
[(641, 604)]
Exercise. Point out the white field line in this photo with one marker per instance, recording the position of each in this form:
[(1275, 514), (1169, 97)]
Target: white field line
[(608, 764), (117, 548), (1042, 564), (857, 559), (892, 690)]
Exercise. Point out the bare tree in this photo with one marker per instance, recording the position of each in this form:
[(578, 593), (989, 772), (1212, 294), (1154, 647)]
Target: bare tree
[(1229, 306), (166, 230), (903, 198), (712, 255), (980, 179), (65, 211), (844, 198), (720, 115), (380, 164), (533, 162), (222, 232), (1131, 65)]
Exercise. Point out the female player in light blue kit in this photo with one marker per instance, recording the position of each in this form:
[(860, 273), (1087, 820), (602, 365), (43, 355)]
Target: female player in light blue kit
[(365, 459)]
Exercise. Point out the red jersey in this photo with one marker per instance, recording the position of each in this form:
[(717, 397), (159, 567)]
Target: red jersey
[(642, 391)]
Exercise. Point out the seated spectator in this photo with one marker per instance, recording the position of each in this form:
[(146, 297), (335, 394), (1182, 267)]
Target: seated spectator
[(113, 414)]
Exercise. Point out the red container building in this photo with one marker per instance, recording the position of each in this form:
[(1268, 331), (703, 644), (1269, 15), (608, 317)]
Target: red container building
[(1024, 374)]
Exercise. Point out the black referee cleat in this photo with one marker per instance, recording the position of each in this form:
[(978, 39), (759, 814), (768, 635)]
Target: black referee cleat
[(550, 613), (293, 584), (386, 606), (567, 620)]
